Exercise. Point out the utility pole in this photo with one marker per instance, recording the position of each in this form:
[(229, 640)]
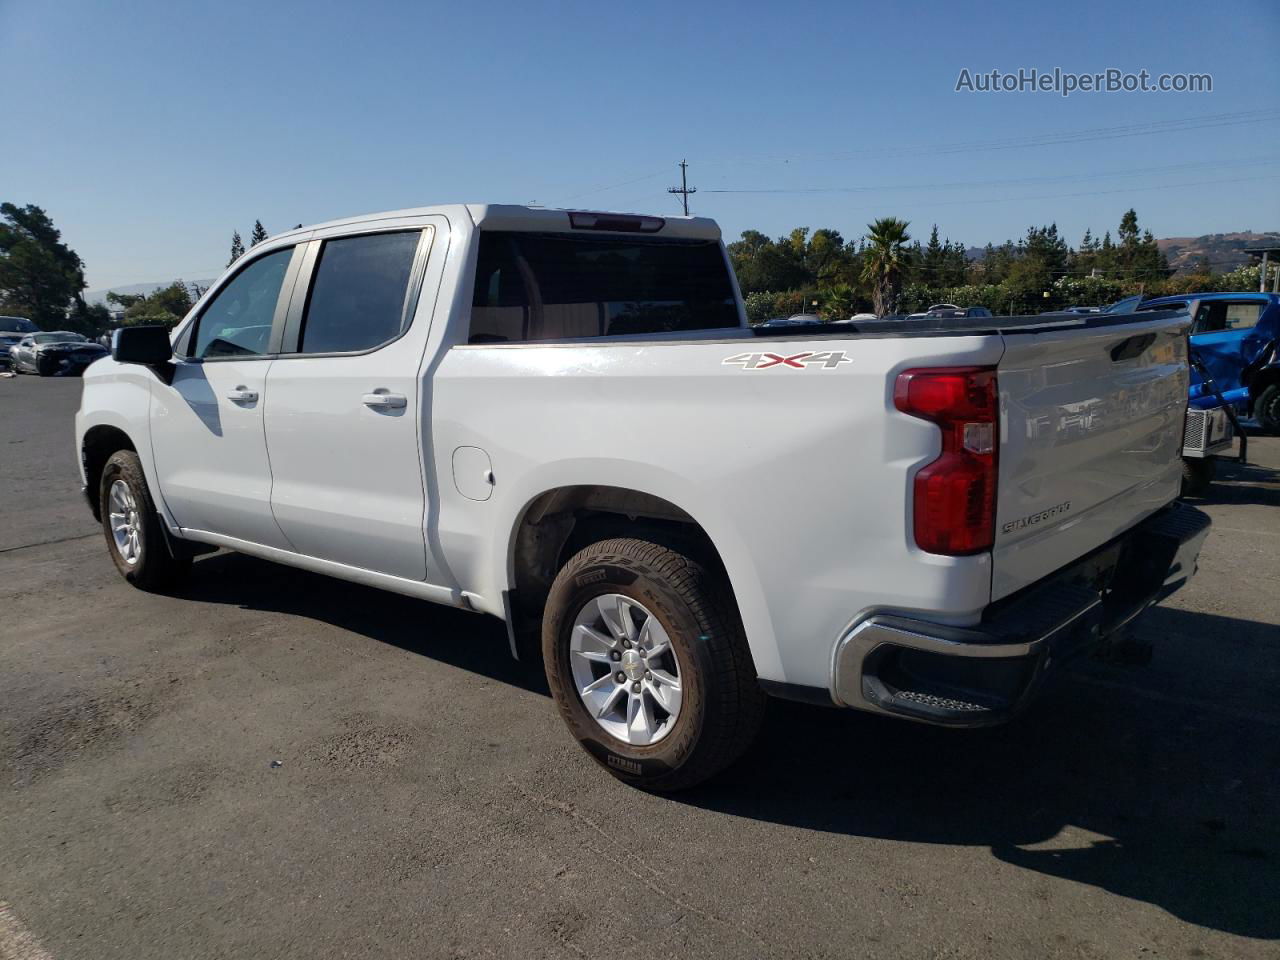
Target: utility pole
[(684, 189)]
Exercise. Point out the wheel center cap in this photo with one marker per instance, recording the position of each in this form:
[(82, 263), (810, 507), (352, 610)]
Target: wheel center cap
[(632, 665)]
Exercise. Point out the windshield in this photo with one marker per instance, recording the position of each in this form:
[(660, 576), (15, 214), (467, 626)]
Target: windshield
[(17, 325), (61, 337), (533, 286), (1127, 305)]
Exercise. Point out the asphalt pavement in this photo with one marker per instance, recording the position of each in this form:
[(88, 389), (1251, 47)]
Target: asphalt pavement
[(276, 764)]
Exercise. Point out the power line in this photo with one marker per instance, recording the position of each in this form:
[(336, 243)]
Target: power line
[(1061, 196), (614, 186), (1064, 178), (1086, 135), (684, 189)]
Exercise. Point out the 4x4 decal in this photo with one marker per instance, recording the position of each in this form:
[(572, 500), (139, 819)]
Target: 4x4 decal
[(799, 361)]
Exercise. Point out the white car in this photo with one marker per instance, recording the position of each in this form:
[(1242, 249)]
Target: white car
[(562, 419)]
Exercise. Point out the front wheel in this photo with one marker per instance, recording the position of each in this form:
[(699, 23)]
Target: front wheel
[(646, 658), (1266, 409), (132, 526)]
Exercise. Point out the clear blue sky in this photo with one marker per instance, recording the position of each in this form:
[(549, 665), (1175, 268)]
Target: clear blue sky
[(150, 130)]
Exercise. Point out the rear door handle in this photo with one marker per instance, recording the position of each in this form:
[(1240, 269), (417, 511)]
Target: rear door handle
[(241, 395), (385, 401)]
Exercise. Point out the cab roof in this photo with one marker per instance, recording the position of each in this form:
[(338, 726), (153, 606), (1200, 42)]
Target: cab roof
[(508, 216)]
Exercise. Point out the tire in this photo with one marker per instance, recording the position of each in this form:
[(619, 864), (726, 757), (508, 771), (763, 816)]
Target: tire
[(144, 560), (1266, 409), (667, 596), (1197, 475)]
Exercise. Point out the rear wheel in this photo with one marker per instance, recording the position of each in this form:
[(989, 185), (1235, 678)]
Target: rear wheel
[(1266, 409), (647, 661), (1197, 475), (132, 526)]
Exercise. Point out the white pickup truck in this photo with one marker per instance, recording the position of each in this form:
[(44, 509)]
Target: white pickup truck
[(563, 420)]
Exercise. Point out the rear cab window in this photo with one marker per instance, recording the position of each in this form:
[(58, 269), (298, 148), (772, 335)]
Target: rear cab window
[(553, 286)]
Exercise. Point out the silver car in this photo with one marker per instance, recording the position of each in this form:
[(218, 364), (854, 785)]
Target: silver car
[(57, 352), (12, 330)]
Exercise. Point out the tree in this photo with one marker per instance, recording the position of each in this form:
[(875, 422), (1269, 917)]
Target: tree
[(932, 260), (237, 247), (1138, 257), (1043, 260), (763, 264), (838, 302), (164, 306), (885, 261), (40, 276), (259, 234)]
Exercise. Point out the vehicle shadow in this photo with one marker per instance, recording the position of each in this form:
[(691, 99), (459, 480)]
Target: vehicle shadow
[(1146, 788), (465, 640), (1240, 484), (1110, 780)]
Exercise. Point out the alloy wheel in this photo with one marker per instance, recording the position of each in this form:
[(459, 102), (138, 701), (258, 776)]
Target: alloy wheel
[(625, 669), (126, 525)]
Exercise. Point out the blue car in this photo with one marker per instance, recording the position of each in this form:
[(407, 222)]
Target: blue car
[(1235, 337)]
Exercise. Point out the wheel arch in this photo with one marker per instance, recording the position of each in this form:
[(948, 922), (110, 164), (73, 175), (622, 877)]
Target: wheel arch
[(99, 443), (559, 521), (1266, 377)]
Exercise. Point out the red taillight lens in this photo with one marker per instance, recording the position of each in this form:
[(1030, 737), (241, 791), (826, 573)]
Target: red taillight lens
[(955, 495)]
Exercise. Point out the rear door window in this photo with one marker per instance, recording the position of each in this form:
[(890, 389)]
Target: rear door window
[(1242, 316), (1216, 316), (359, 297), (533, 286)]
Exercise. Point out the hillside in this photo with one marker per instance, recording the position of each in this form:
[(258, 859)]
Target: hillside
[(100, 296), (1223, 251)]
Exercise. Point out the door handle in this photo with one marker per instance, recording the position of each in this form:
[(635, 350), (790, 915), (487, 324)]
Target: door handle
[(384, 401), (241, 395)]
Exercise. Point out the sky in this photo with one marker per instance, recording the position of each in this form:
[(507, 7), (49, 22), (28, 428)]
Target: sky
[(149, 131)]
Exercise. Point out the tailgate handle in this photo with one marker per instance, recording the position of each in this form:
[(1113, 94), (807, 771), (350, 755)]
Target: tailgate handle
[(1132, 347)]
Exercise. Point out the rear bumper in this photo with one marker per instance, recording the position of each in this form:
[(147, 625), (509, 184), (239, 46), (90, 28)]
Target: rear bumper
[(981, 675)]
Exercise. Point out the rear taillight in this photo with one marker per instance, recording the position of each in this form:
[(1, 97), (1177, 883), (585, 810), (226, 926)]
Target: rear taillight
[(955, 495)]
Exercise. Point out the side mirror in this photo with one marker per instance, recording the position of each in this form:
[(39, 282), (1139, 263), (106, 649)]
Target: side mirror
[(146, 345)]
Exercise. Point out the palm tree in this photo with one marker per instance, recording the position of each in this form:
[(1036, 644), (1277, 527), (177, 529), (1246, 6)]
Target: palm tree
[(885, 261)]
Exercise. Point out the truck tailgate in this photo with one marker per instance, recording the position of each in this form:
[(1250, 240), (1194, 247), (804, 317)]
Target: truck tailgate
[(1090, 440)]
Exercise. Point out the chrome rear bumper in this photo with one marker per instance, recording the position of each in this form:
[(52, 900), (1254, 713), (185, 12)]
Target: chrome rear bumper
[(984, 674)]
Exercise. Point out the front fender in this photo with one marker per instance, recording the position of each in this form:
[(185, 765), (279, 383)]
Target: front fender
[(119, 395)]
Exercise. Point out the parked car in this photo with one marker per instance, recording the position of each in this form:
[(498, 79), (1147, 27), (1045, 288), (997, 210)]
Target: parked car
[(1085, 310), (1127, 305), (1234, 336), (563, 420), (57, 352), (957, 313), (945, 312), (795, 320), (12, 330)]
